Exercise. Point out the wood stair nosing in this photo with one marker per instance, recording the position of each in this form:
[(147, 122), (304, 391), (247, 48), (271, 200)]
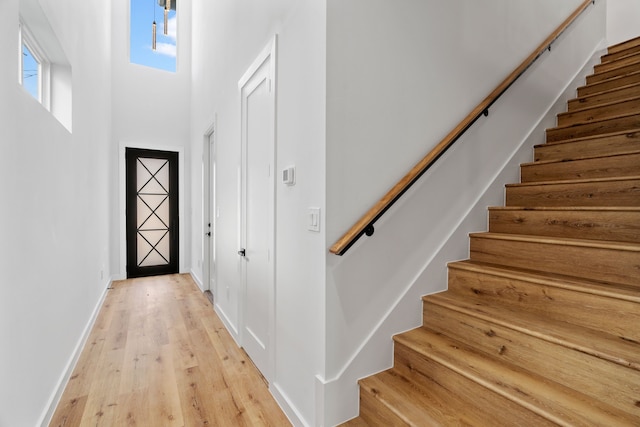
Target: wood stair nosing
[(592, 146), (623, 192), (616, 165), (594, 343), (609, 84), (630, 58), (615, 72), (621, 123), (548, 399), (620, 54), (520, 344), (605, 97), (601, 112), (614, 262), (621, 225)]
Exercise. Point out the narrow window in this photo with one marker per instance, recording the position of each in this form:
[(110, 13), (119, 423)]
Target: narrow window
[(30, 72), (153, 33), (34, 73)]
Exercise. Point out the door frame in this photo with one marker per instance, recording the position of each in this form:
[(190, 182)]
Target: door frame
[(209, 208), (122, 204), (269, 52)]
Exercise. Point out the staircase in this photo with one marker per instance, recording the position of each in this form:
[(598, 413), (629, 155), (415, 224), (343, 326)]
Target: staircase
[(541, 326)]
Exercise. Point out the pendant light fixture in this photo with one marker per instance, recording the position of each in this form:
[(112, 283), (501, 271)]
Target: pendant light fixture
[(153, 27), (167, 8)]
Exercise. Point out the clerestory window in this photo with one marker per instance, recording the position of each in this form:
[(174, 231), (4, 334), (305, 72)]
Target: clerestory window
[(34, 73)]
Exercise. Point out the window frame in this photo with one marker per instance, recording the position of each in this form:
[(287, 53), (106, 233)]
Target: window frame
[(25, 38)]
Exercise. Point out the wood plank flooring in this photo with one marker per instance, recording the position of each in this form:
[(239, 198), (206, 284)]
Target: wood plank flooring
[(158, 355)]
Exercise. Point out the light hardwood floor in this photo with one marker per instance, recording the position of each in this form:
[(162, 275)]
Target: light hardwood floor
[(158, 355)]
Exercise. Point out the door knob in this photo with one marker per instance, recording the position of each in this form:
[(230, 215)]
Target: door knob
[(242, 252), (208, 234)]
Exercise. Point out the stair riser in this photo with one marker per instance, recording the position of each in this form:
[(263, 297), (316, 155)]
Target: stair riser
[(608, 145), (604, 98), (430, 375), (606, 75), (600, 113), (620, 226), (609, 193), (609, 85), (602, 167), (620, 124), (617, 63), (614, 56), (611, 315), (617, 385), (608, 265)]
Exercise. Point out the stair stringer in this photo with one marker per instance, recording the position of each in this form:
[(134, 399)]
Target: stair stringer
[(337, 393)]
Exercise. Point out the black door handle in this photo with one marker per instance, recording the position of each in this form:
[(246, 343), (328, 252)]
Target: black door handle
[(208, 234), (242, 252)]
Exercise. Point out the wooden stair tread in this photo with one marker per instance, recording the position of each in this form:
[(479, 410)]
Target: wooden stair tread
[(628, 53), (616, 123), (608, 57), (603, 97), (613, 82), (573, 125), (568, 208), (588, 341), (628, 99), (623, 45), (574, 181), (419, 408), (608, 290), (578, 158), (629, 133), (629, 58), (623, 70), (587, 166), (561, 241), (551, 400)]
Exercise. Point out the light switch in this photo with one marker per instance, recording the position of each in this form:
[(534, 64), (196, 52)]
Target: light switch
[(289, 175), (313, 221)]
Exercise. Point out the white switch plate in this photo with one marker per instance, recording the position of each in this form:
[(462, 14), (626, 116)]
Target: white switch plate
[(313, 221)]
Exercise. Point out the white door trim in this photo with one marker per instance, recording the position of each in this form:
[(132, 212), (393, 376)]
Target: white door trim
[(267, 54), (209, 209)]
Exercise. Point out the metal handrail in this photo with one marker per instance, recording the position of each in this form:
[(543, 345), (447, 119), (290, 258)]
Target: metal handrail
[(366, 224)]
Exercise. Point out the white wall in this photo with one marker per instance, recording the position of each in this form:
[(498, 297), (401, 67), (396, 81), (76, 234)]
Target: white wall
[(54, 224), (400, 76), (151, 109), (228, 36), (623, 20)]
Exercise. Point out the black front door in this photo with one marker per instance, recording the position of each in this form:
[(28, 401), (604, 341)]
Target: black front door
[(152, 212)]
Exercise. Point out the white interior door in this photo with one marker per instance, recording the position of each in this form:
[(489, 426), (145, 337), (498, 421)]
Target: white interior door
[(257, 231)]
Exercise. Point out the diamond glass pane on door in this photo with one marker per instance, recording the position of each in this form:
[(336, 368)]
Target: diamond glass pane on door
[(152, 203)]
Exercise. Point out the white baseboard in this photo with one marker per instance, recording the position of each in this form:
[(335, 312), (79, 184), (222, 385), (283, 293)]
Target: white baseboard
[(54, 400), (196, 279), (287, 407)]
